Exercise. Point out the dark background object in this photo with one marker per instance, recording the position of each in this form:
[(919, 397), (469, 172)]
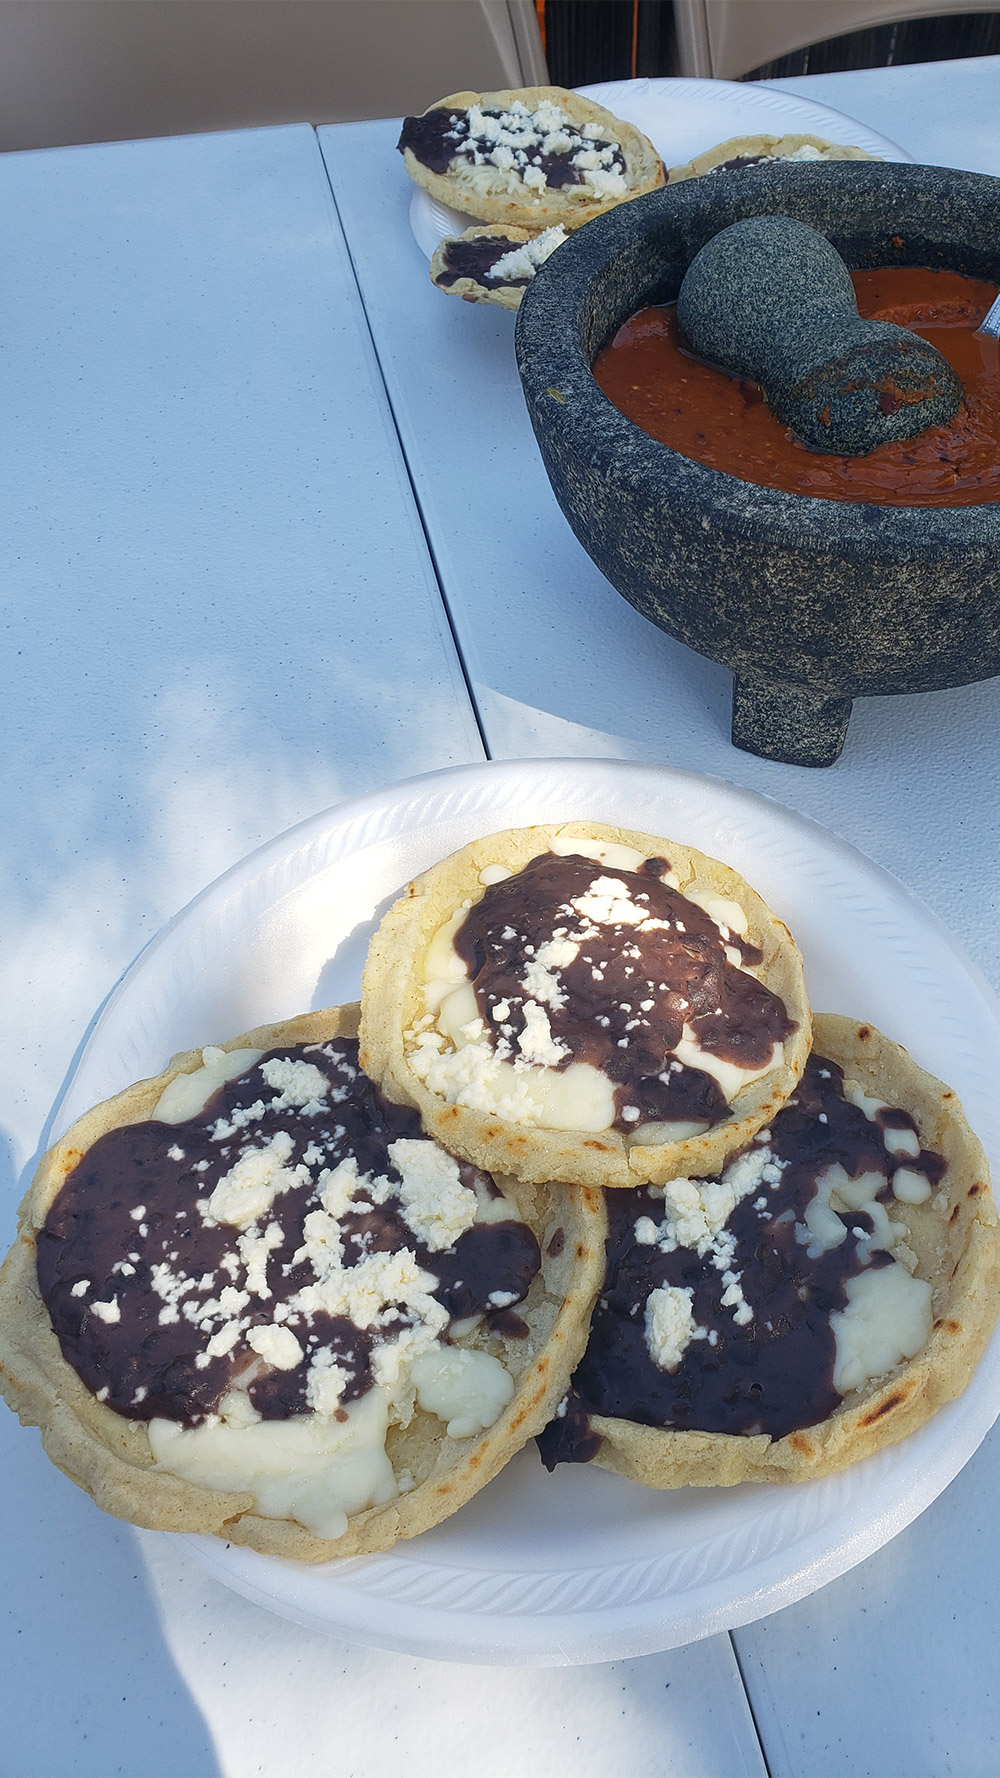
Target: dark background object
[(949, 38), (591, 40), (809, 602)]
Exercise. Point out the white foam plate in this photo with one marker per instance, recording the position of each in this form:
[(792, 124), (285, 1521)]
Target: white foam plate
[(579, 1566), (682, 118)]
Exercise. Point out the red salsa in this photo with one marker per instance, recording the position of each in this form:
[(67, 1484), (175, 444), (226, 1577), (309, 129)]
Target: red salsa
[(725, 423)]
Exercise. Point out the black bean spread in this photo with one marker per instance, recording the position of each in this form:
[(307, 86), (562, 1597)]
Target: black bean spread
[(622, 965), (476, 259), (760, 1354), (540, 149), (744, 160), (163, 1295), (758, 160)]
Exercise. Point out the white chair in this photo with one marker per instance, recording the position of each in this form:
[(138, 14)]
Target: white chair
[(104, 70), (725, 39)]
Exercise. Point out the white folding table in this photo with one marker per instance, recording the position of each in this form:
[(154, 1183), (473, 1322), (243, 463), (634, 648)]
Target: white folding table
[(275, 533)]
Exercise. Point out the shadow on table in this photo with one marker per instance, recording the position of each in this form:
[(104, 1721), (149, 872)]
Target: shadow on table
[(93, 1686), (97, 1689)]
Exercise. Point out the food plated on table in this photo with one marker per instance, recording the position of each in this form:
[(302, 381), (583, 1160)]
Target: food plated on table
[(532, 163), (533, 157), (682, 119), (579, 1564), (311, 1294)]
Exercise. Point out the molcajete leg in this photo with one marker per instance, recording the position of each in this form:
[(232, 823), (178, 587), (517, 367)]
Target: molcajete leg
[(790, 723)]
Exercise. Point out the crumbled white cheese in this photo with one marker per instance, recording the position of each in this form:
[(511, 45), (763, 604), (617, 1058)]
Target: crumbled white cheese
[(363, 1291), (540, 978), (339, 1185), (299, 1085), (578, 1097), (254, 1251), (276, 1345), (260, 1175), (697, 1210), (733, 1298), (436, 1205), (606, 183), (523, 261), (606, 902), (326, 1382), (240, 1119), (669, 1324), (223, 1342), (536, 1042)]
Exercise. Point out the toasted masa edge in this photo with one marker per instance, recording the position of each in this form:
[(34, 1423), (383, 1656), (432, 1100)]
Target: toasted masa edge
[(392, 1003), (780, 146), (110, 1456), (965, 1274)]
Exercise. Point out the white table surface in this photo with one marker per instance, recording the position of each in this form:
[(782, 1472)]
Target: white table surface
[(223, 615)]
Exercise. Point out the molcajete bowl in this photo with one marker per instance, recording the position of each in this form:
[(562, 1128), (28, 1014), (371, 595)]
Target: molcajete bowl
[(809, 602)]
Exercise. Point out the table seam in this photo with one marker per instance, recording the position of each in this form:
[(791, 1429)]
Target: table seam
[(425, 531)]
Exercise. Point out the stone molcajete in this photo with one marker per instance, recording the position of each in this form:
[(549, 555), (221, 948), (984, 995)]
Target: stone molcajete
[(771, 299), (809, 602)]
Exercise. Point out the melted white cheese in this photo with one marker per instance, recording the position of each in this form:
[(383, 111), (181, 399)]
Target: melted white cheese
[(606, 852), (887, 1319), (731, 1079), (469, 1390), (835, 1191), (313, 1468), (188, 1094), (649, 1135), (727, 915)]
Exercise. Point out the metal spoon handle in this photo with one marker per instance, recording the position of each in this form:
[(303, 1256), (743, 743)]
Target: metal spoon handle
[(991, 321)]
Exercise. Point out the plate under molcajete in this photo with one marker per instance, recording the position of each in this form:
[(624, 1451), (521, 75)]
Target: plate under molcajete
[(808, 602)]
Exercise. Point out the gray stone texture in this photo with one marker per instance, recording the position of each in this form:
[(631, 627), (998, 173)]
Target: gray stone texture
[(830, 600), (772, 300)]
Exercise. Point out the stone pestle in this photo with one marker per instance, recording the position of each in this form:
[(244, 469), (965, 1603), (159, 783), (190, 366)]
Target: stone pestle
[(771, 300)]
